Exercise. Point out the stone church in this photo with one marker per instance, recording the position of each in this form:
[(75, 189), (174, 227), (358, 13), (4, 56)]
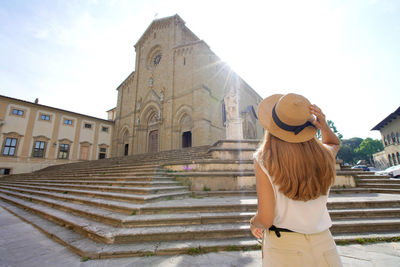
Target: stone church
[(178, 95)]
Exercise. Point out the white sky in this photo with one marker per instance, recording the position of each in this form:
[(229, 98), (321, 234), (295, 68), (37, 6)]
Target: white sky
[(342, 55)]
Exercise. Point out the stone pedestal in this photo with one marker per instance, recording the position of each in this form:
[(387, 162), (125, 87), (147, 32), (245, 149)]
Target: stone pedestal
[(234, 130)]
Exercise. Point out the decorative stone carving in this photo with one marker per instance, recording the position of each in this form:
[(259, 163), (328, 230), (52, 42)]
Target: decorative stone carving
[(162, 92), (139, 105), (231, 105), (234, 128)]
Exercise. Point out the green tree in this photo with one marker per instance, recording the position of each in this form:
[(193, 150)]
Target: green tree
[(368, 147), (347, 154), (352, 142), (331, 125), (347, 149)]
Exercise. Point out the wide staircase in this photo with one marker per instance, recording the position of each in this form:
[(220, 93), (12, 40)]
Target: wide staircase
[(133, 206)]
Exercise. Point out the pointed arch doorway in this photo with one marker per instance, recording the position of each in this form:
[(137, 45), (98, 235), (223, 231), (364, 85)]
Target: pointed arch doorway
[(153, 141), (187, 139)]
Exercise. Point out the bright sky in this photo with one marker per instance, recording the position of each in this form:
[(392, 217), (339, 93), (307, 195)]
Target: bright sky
[(342, 55)]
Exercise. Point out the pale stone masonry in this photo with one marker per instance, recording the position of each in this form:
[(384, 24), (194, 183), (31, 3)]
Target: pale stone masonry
[(175, 96), (174, 99), (390, 131), (34, 136)]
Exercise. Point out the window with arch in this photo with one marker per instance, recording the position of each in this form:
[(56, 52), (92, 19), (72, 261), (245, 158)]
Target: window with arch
[(388, 139), (390, 160), (394, 159), (385, 141), (398, 157), (393, 138), (398, 137)]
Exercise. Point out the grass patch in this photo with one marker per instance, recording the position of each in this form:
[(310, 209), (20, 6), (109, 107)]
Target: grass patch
[(133, 212), (205, 189), (342, 242), (196, 251), (232, 248), (361, 240), (85, 259), (148, 254)]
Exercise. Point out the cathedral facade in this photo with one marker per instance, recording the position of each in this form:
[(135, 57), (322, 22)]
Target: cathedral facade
[(175, 97)]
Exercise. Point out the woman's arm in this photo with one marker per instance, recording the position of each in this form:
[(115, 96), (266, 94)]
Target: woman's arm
[(266, 203), (329, 138)]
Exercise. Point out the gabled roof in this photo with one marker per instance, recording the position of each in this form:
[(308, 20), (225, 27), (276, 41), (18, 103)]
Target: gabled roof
[(387, 120), (158, 22), (129, 76)]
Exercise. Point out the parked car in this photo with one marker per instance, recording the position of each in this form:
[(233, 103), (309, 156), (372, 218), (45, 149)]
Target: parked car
[(361, 167), (373, 169), (393, 171)]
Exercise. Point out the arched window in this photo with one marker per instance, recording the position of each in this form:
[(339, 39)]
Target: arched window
[(390, 160), (398, 157), (385, 141), (394, 159), (393, 138), (388, 139), (398, 137)]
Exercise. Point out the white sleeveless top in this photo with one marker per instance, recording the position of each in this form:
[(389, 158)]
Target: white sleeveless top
[(307, 217)]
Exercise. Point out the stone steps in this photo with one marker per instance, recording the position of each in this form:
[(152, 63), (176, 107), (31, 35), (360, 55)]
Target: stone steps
[(379, 185), (109, 234), (117, 168), (109, 188), (379, 181), (354, 213), (372, 176), (86, 248), (134, 198), (112, 174), (216, 204), (104, 183), (129, 221), (186, 154), (171, 218)]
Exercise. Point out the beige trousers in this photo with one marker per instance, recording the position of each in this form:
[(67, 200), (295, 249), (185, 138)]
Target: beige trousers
[(294, 249)]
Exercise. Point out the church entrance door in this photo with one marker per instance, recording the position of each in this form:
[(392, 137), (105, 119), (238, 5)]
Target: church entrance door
[(126, 149), (153, 141), (187, 139)]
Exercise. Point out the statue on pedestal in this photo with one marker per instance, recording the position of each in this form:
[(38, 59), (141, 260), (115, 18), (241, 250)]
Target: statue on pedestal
[(234, 129)]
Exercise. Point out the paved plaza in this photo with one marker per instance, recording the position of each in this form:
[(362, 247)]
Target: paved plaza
[(23, 245)]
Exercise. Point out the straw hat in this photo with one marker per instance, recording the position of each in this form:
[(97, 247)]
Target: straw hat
[(287, 117)]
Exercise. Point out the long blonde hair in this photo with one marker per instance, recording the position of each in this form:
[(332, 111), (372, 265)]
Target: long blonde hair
[(302, 171)]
